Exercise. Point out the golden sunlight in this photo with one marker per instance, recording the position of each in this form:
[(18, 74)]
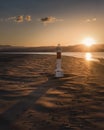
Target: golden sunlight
[(88, 56), (88, 41)]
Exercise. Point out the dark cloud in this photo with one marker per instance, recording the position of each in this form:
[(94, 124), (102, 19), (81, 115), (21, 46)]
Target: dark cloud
[(49, 19)]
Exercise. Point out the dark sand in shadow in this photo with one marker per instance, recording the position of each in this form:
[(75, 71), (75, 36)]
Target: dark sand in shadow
[(31, 98)]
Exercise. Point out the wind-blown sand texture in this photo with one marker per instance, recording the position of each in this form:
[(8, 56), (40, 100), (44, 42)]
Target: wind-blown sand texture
[(32, 99)]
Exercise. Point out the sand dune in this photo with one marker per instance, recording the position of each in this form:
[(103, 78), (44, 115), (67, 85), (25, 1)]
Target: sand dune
[(31, 98)]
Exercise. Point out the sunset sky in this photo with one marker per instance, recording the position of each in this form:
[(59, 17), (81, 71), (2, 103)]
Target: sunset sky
[(49, 22)]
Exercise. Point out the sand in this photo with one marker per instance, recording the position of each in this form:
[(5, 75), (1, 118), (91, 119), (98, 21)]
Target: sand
[(31, 98)]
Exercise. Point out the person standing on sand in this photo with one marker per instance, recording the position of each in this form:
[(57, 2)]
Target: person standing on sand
[(59, 71)]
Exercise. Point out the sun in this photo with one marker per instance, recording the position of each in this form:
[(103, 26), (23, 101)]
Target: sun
[(88, 41)]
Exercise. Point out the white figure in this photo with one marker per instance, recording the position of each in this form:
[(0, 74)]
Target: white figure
[(58, 71)]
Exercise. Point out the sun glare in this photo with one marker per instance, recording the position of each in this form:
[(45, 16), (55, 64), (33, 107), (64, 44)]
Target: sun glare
[(88, 56), (88, 41)]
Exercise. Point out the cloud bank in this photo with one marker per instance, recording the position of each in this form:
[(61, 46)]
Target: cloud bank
[(22, 18), (18, 19)]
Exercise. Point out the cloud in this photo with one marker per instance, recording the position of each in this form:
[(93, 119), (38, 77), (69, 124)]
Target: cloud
[(22, 18), (94, 19), (50, 19), (87, 21), (91, 20), (11, 18), (28, 18), (19, 19)]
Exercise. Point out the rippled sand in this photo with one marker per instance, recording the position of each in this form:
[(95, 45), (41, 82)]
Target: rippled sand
[(31, 98)]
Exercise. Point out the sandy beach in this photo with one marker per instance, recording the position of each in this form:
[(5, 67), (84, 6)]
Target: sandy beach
[(31, 98)]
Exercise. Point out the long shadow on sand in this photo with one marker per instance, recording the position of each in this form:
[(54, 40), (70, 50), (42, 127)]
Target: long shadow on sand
[(17, 78), (13, 113)]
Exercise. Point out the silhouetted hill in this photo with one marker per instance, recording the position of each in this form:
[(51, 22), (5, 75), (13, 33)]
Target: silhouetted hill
[(75, 48)]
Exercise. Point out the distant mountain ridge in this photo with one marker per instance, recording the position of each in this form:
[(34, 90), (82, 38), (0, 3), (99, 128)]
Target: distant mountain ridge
[(74, 48)]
